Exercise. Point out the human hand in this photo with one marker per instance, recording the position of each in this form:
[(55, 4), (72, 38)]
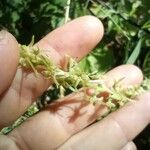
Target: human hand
[(63, 125)]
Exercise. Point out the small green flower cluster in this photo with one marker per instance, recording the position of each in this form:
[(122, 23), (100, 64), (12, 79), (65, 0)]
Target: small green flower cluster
[(74, 78)]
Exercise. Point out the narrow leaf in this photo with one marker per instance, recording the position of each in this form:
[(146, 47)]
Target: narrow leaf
[(133, 57)]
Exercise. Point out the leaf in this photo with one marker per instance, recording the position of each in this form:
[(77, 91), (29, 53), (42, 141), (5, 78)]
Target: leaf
[(135, 7), (146, 65), (146, 25), (84, 65), (103, 13), (133, 57)]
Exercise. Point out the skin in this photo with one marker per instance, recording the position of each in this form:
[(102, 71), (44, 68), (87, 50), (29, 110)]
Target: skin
[(67, 124)]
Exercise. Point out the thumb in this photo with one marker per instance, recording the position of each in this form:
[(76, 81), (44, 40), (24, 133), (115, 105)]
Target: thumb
[(9, 57)]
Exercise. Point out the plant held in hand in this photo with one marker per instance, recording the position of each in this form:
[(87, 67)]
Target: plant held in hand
[(74, 78)]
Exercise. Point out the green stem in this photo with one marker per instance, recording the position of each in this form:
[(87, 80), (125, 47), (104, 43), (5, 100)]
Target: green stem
[(67, 18)]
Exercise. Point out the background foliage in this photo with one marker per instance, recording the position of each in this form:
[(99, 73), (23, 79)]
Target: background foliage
[(126, 39)]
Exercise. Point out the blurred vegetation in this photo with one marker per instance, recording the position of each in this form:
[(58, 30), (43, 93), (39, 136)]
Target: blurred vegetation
[(126, 39)]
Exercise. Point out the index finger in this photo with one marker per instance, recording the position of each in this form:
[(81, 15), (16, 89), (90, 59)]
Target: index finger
[(76, 39)]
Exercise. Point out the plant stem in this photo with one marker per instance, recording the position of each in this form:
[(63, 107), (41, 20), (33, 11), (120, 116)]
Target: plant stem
[(67, 11)]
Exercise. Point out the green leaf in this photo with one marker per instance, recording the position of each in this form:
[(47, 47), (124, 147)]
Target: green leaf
[(84, 65), (133, 57), (146, 25), (146, 65)]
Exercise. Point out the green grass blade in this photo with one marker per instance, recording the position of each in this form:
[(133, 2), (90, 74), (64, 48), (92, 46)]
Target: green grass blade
[(133, 57)]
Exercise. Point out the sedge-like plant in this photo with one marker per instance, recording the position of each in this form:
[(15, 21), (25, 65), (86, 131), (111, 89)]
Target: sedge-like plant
[(73, 78)]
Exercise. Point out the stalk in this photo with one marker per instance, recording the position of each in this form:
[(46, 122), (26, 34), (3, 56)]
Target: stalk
[(74, 78)]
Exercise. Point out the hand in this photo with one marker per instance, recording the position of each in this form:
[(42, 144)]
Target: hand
[(63, 125)]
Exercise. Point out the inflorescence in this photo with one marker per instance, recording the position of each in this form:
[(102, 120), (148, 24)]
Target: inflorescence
[(73, 78)]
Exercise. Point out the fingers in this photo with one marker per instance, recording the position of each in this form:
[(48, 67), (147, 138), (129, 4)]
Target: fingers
[(76, 113), (65, 118), (132, 114), (117, 129), (25, 87), (122, 72), (129, 146), (75, 39), (9, 56)]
